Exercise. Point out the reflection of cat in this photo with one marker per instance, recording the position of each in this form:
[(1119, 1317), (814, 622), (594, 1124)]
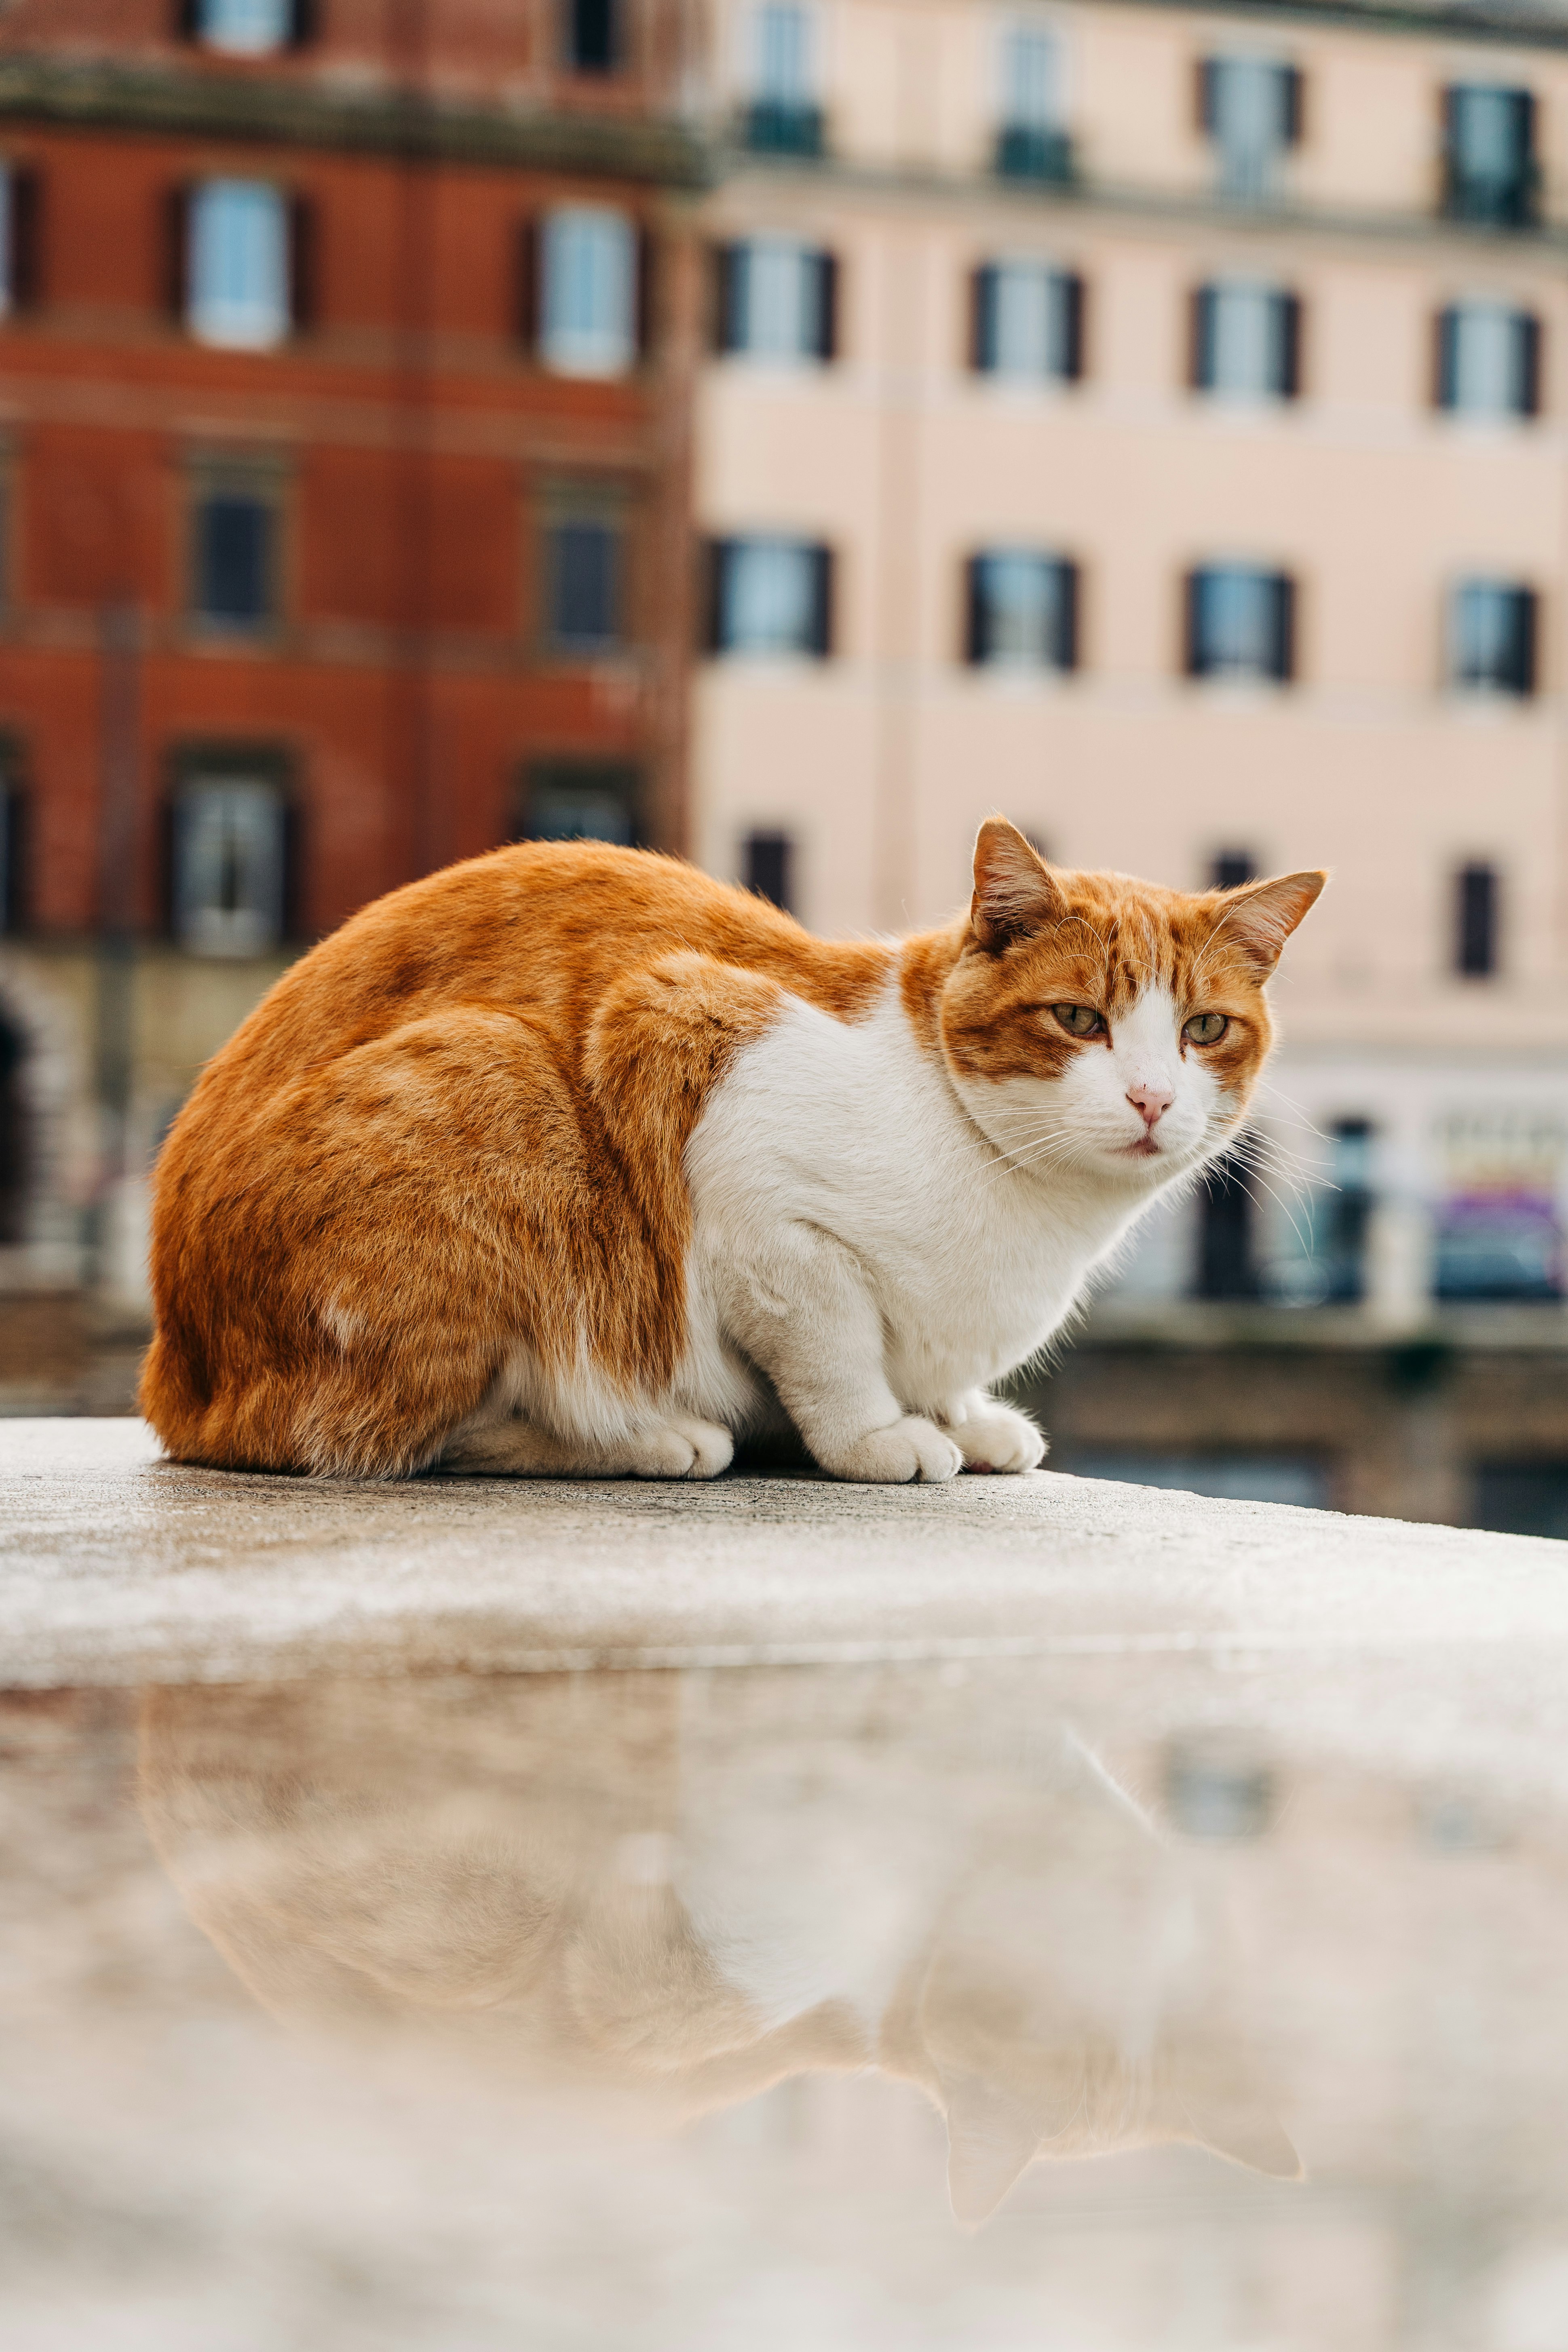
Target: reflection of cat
[(547, 1875)]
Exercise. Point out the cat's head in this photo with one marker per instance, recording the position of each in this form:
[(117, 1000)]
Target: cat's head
[(1097, 1025)]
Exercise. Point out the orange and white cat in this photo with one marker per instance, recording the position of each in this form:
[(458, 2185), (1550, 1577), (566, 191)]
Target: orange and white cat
[(570, 1160)]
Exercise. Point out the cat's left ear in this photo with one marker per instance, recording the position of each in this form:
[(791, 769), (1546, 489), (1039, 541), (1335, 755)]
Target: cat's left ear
[(1015, 893), (1259, 917)]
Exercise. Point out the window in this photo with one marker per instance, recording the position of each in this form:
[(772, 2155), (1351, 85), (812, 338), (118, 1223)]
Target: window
[(1251, 109), (783, 118), (1491, 637), (1488, 360), (580, 800), (1023, 611), (583, 584), (593, 29), (1476, 921), (1347, 1214), (20, 215), (1489, 155), (1031, 143), (247, 28), (778, 299), (1240, 624), (1227, 1258), (770, 860), (234, 586), (1230, 868), (772, 596), (588, 310), (1027, 324), (228, 875), (237, 265), (1247, 341)]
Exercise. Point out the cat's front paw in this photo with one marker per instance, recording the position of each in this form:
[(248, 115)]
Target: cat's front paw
[(999, 1439), (912, 1448)]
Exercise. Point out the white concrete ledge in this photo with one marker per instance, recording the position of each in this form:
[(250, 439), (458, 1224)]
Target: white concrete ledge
[(117, 1568)]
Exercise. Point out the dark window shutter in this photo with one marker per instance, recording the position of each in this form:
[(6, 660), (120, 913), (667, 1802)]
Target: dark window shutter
[(1476, 944), (14, 850), (821, 601), (176, 250), (715, 599), (1194, 654), (976, 634), (1072, 318), (1529, 365), (1289, 332), (828, 305), (27, 254), (1294, 108), (646, 291), (1524, 126), (1206, 94), (1066, 648), (1447, 358), (304, 306), (528, 284), (982, 320), (304, 23), (1282, 626), (187, 20), (1525, 638), (721, 281), (1200, 358)]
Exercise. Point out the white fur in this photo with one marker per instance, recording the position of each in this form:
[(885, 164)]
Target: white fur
[(875, 1240), (881, 1240)]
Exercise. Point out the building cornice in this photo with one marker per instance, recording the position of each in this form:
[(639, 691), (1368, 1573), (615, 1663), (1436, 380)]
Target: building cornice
[(1510, 26), (294, 112), (1184, 209)]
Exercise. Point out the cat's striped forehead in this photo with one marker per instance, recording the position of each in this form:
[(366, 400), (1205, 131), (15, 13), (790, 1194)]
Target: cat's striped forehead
[(1118, 940)]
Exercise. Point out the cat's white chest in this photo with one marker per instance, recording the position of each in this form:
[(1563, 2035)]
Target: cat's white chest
[(854, 1132)]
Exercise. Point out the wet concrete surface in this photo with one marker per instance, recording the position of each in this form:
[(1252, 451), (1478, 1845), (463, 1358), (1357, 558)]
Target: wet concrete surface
[(1025, 1914)]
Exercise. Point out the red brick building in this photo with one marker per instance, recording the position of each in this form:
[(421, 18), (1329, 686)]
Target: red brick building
[(344, 364)]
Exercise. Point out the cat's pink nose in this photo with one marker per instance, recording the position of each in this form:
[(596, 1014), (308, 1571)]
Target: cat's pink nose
[(1153, 1102)]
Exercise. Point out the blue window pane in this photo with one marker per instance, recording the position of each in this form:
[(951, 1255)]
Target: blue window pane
[(228, 868), (1239, 623), (238, 264), (1023, 611), (1248, 105), (1493, 637), (589, 308), (770, 595), (234, 548), (584, 584), (245, 28)]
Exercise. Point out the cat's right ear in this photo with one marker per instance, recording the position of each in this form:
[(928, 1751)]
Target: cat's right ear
[(1015, 891)]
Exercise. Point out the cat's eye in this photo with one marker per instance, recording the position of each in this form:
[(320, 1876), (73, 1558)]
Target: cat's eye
[(1078, 1020), (1206, 1028)]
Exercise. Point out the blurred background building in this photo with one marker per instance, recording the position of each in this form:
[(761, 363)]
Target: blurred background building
[(786, 434)]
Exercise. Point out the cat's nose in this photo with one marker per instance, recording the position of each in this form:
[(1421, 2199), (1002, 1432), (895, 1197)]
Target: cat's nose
[(1153, 1102)]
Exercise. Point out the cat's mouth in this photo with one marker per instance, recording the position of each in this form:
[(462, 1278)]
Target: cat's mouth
[(1144, 1148)]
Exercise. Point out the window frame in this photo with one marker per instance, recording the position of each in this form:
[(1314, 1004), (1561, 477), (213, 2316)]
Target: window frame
[(1282, 624), (608, 505), (1525, 687), (821, 557), (284, 320), (265, 478), (1065, 614), (216, 762)]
